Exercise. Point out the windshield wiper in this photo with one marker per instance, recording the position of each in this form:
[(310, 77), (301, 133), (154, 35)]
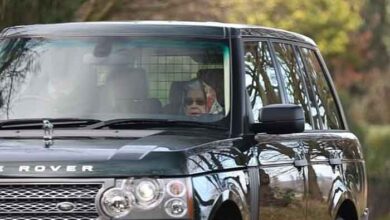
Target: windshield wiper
[(151, 123), (36, 123)]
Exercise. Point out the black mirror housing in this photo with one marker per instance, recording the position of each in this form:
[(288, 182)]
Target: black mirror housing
[(282, 119)]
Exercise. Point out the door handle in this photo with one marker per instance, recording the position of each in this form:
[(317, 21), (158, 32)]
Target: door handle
[(335, 157), (300, 158)]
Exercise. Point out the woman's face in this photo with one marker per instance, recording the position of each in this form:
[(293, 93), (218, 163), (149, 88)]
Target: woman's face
[(195, 103)]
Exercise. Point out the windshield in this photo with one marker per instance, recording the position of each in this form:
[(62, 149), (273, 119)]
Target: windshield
[(114, 77)]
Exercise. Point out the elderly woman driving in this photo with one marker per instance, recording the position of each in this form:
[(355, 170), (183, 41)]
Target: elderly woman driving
[(195, 99), (200, 99)]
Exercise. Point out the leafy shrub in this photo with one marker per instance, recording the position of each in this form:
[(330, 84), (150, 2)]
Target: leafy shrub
[(377, 143)]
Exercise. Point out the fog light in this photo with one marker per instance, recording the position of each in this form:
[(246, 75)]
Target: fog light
[(175, 208), (116, 203)]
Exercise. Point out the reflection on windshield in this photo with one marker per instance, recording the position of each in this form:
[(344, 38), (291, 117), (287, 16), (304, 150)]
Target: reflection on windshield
[(107, 78)]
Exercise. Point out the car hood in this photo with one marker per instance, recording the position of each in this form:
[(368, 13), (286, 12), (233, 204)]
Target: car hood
[(157, 153)]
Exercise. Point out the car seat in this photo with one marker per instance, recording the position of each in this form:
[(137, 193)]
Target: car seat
[(129, 92), (176, 93)]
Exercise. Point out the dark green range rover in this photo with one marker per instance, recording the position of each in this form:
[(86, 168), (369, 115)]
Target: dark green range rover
[(172, 120)]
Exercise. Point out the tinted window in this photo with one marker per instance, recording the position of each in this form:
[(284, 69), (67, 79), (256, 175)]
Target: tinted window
[(313, 103), (260, 77), (290, 71), (326, 103)]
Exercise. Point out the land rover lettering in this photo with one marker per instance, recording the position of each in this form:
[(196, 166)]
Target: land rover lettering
[(59, 168)]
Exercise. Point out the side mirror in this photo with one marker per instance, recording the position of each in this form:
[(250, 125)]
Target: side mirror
[(282, 119)]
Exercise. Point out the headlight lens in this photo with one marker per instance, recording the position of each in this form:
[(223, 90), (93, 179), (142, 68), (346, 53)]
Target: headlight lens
[(176, 188), (116, 203), (175, 208), (148, 193)]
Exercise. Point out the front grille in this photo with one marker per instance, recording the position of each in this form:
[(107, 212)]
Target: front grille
[(50, 217), (41, 201)]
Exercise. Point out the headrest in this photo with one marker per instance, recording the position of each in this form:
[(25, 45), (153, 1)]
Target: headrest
[(213, 78), (128, 83), (176, 91)]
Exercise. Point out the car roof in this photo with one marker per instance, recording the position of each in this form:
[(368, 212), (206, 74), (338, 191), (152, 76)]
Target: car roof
[(153, 28)]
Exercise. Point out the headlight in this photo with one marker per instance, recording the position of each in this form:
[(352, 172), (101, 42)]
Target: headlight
[(116, 203), (147, 198)]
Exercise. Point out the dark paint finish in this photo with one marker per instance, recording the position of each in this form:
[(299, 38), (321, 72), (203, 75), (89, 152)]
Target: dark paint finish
[(115, 29), (326, 175), (286, 190), (210, 191), (153, 28), (282, 183), (270, 33), (159, 154), (219, 168)]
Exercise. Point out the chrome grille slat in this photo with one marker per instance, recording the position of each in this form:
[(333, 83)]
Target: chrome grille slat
[(39, 201), (49, 191), (50, 217), (44, 206), (21, 199)]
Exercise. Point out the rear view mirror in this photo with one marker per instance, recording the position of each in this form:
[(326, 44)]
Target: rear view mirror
[(103, 48), (282, 119)]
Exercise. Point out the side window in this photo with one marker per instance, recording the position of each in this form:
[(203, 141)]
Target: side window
[(260, 77), (292, 79), (328, 111)]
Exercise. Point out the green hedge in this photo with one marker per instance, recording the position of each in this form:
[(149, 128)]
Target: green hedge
[(377, 150)]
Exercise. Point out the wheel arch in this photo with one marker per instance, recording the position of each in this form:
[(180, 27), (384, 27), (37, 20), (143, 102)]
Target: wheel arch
[(232, 202), (346, 207)]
